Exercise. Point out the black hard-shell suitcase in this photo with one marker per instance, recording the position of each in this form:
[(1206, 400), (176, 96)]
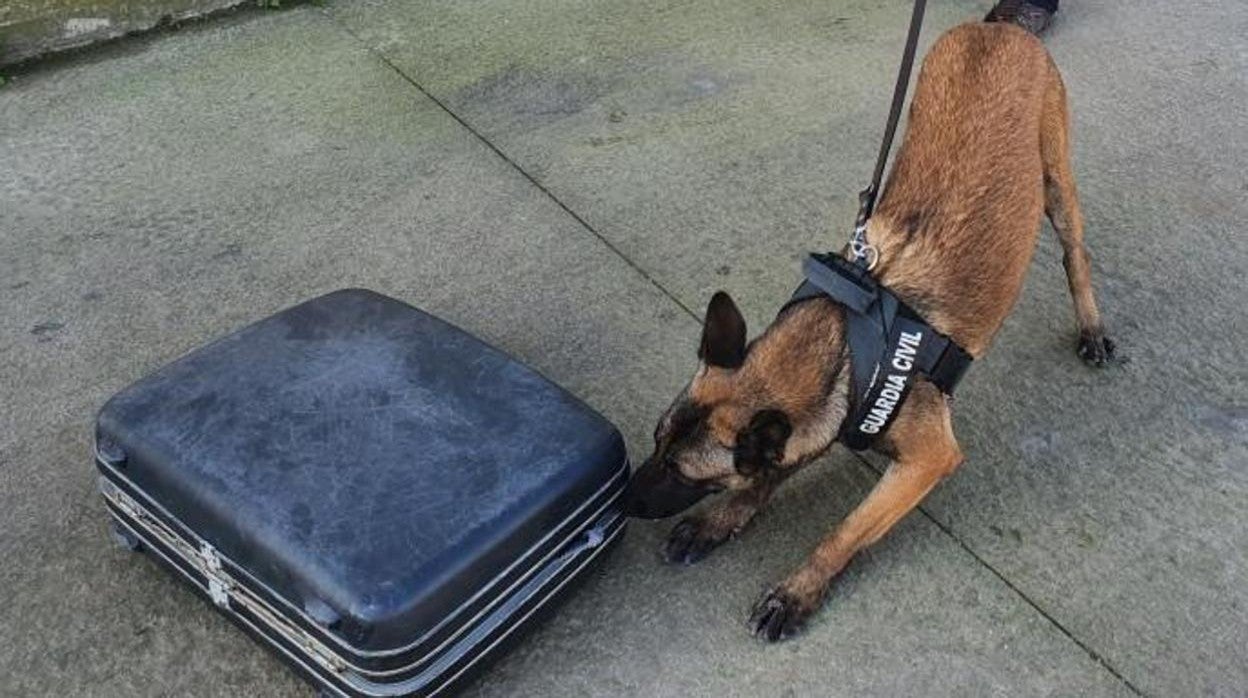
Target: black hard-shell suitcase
[(375, 494)]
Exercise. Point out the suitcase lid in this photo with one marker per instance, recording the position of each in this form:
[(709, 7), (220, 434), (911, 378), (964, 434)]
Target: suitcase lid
[(367, 462)]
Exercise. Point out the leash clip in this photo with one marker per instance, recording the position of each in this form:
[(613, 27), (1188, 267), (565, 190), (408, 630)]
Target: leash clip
[(864, 252)]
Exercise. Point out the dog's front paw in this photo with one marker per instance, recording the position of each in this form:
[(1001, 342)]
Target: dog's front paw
[(779, 615), (691, 540), (1096, 349)]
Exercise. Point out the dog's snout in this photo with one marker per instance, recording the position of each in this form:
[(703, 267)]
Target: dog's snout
[(656, 493)]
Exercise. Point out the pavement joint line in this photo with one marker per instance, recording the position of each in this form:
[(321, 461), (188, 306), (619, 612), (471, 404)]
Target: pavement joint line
[(514, 165), (1093, 654), (17, 442)]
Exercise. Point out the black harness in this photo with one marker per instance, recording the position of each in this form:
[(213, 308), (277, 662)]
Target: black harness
[(889, 343)]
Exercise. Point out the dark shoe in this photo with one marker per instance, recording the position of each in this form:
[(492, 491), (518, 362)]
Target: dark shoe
[(1026, 15)]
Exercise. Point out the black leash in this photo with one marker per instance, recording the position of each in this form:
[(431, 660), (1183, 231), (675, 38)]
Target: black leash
[(866, 199)]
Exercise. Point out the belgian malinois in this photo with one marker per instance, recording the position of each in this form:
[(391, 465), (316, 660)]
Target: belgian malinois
[(986, 150)]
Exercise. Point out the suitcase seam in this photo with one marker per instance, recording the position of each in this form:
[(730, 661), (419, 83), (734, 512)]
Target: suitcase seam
[(431, 655)]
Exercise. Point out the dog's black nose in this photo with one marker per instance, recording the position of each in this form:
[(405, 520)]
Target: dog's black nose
[(659, 500)]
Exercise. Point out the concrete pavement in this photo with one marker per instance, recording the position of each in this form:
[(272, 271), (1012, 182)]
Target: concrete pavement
[(570, 180)]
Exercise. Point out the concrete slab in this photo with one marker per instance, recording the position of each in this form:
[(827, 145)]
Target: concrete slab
[(225, 173), (715, 143), (712, 143), (216, 183), (233, 170)]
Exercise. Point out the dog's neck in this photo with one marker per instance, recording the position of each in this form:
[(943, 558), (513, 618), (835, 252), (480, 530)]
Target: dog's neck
[(800, 363)]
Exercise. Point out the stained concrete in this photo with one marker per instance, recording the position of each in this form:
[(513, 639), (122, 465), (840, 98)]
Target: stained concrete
[(606, 166), (32, 28)]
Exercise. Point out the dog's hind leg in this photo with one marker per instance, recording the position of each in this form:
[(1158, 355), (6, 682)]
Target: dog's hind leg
[(694, 537), (1061, 204), (926, 453)]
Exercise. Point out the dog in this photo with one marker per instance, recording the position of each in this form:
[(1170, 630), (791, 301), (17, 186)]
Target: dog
[(986, 150)]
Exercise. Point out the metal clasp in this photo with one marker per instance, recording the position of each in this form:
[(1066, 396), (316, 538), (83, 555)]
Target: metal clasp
[(862, 250)]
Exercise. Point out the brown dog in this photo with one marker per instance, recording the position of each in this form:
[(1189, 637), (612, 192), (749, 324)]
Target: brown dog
[(986, 150)]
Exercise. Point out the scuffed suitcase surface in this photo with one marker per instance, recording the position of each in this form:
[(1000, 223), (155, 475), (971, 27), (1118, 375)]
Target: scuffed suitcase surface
[(362, 460)]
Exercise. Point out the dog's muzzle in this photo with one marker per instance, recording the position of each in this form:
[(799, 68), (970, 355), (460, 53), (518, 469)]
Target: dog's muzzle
[(656, 493)]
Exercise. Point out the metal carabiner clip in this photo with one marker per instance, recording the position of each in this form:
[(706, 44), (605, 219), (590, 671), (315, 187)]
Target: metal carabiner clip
[(862, 250)]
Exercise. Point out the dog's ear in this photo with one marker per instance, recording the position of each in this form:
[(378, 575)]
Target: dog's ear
[(723, 333), (761, 444)]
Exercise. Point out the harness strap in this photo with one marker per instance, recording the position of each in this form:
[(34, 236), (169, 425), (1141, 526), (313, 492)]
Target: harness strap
[(889, 346)]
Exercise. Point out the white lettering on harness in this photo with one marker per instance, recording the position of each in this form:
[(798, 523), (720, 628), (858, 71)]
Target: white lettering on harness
[(895, 383), (907, 347)]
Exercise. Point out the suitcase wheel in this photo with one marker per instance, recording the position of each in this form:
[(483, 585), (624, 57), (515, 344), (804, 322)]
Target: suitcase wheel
[(125, 539)]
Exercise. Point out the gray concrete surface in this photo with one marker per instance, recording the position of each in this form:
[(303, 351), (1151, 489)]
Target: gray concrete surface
[(32, 28), (599, 169)]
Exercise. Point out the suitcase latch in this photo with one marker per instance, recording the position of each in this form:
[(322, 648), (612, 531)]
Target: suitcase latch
[(218, 584), (222, 589)]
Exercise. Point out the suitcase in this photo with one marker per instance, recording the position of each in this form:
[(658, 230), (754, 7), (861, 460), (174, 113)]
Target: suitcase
[(376, 495)]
